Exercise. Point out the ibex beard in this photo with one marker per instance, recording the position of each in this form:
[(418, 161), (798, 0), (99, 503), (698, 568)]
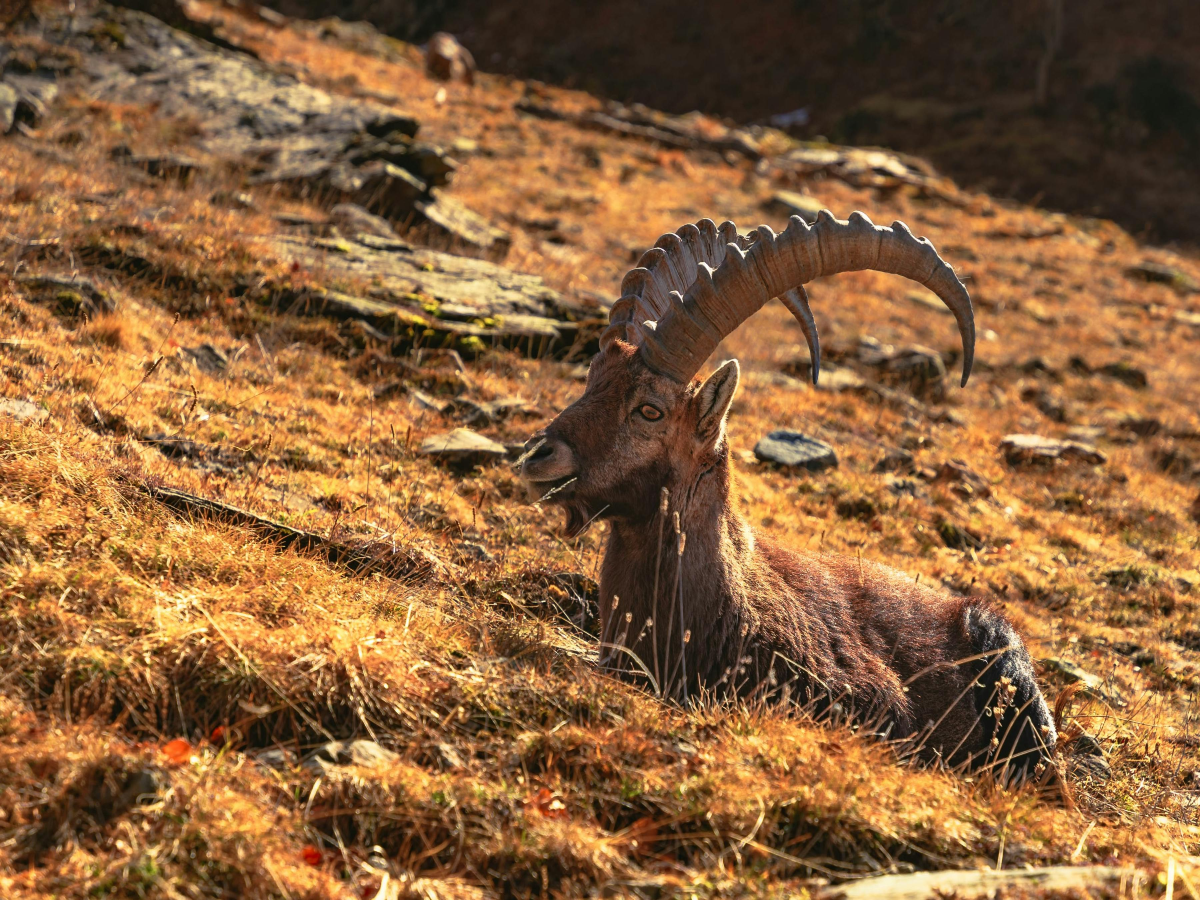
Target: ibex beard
[(697, 602)]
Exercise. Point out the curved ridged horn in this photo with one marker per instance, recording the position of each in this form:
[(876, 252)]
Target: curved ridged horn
[(669, 267), (752, 270)]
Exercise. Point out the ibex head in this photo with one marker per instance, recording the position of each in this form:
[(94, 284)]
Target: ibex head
[(641, 423), (632, 432)]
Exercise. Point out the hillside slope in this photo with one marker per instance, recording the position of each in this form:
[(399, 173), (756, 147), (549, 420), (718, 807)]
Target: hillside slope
[(177, 332), (1117, 133)]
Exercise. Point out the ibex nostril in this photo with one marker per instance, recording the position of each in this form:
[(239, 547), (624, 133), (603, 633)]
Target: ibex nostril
[(537, 447)]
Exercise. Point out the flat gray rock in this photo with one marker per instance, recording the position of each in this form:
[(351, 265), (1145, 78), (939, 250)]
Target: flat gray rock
[(463, 228), (69, 295), (398, 271), (462, 447), (427, 298), (1071, 672), (855, 165), (22, 410), (207, 357), (835, 379), (364, 753), (8, 107), (975, 883), (1034, 448), (352, 219), (790, 203), (796, 450), (1163, 274), (34, 94), (279, 758), (918, 369), (1184, 317)]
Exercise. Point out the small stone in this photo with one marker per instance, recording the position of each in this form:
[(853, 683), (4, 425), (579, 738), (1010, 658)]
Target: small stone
[(462, 229), (1036, 364), (1087, 758), (234, 199), (918, 369), (963, 480), (1125, 373), (474, 413), (270, 16), (928, 300), (450, 756), (791, 203), (279, 758), (1142, 426), (1021, 449), (364, 753), (462, 447), (475, 551), (298, 220), (70, 295), (381, 187), (141, 788), (352, 219), (425, 401), (1184, 317), (22, 410), (8, 107), (1085, 434), (207, 357), (836, 379), (34, 96), (1072, 672), (791, 448), (1163, 274), (169, 165), (896, 461), (448, 60), (1048, 403), (958, 538)]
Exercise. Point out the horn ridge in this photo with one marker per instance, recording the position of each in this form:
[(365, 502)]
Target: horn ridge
[(668, 267), (749, 270)]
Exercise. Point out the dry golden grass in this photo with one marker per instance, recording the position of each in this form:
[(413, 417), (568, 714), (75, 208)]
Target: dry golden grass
[(521, 770)]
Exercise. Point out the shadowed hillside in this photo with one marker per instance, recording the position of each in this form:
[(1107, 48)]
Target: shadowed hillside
[(1117, 133)]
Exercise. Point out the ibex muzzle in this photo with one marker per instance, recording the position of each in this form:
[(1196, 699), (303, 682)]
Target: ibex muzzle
[(691, 597)]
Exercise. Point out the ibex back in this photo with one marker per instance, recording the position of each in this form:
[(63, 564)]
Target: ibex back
[(697, 601)]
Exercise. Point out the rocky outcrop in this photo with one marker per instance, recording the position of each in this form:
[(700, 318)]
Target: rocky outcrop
[(426, 298), (333, 148)]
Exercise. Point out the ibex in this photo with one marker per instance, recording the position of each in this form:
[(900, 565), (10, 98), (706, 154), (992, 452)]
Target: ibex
[(691, 596)]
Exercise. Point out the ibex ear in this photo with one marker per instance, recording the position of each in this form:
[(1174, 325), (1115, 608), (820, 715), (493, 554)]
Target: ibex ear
[(712, 402)]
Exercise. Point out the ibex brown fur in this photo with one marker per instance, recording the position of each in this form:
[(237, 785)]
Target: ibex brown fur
[(696, 600)]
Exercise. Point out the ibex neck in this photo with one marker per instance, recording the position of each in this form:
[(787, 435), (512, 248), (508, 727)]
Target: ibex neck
[(657, 601)]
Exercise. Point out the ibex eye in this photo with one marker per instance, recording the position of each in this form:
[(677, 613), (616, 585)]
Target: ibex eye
[(650, 412)]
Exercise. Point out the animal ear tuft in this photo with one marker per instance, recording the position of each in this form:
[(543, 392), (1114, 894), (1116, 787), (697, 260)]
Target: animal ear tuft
[(713, 400)]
